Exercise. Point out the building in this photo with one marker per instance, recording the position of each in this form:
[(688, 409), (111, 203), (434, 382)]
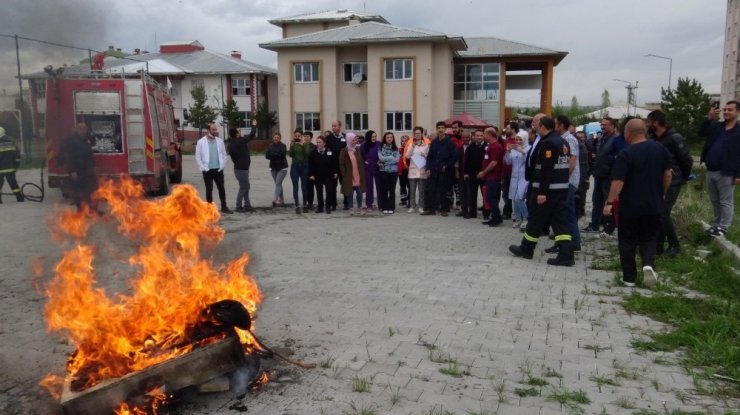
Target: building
[(730, 88), (370, 74), (184, 65)]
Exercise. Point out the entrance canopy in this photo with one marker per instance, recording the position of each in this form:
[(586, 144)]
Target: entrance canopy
[(468, 121)]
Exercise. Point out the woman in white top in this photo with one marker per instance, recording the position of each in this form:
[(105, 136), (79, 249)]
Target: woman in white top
[(516, 157), (416, 153)]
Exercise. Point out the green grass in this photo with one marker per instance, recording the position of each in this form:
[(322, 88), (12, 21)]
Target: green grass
[(360, 384), (522, 392), (452, 370), (355, 409), (570, 399)]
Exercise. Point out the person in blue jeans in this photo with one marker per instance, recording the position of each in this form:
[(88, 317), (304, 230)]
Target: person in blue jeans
[(278, 167), (388, 156), (298, 153)]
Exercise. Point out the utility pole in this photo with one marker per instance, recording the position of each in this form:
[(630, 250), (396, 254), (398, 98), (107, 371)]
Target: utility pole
[(630, 93)]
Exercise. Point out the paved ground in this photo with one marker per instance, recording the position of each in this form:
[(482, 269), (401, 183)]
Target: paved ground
[(390, 302)]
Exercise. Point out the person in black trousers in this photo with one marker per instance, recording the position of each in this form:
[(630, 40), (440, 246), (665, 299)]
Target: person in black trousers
[(472, 164), (441, 164), (322, 172)]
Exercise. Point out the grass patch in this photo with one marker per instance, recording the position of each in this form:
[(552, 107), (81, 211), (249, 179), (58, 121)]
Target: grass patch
[(625, 403), (328, 362), (523, 393), (570, 399), (602, 380), (452, 370), (355, 409), (535, 381), (360, 384)]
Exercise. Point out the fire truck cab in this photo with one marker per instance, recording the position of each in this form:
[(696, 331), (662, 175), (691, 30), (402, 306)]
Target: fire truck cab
[(130, 122)]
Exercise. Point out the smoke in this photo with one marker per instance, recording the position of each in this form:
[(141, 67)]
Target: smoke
[(80, 23)]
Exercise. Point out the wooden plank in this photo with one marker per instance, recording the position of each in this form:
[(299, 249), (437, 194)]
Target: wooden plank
[(196, 367)]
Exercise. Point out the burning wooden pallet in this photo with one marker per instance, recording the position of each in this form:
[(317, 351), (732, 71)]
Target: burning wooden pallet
[(194, 368)]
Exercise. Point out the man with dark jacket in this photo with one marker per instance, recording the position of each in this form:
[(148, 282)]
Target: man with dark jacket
[(721, 153), (441, 164), (681, 164), (335, 142), (322, 172), (549, 193), (239, 153), (610, 144), (77, 155), (472, 164), (10, 159), (491, 173)]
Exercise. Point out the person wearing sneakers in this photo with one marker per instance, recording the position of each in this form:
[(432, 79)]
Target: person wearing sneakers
[(416, 153), (352, 172), (721, 154), (516, 157), (277, 154), (388, 156), (640, 179)]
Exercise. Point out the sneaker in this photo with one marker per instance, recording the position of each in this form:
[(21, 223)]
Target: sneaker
[(364, 212), (717, 231), (369, 209), (649, 276), (421, 210), (411, 210), (226, 210), (515, 224), (523, 225), (604, 235), (590, 229), (628, 284), (711, 229)]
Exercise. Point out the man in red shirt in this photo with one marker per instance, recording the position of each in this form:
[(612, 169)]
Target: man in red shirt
[(492, 172)]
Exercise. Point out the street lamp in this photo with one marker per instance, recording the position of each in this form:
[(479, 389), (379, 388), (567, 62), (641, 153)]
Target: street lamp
[(670, 65)]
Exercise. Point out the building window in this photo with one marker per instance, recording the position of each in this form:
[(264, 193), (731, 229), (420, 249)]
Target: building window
[(240, 87), (40, 89), (246, 120), (308, 121), (398, 121), (355, 121), (174, 91), (350, 69), (476, 82), (195, 83), (396, 69), (306, 72)]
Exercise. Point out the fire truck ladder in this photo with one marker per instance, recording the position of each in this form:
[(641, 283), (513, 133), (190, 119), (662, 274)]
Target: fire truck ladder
[(135, 126)]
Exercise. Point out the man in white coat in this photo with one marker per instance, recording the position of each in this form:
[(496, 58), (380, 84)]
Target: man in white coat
[(210, 154)]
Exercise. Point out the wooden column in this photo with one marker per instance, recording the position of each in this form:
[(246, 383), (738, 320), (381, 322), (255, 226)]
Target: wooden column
[(502, 95), (546, 91)]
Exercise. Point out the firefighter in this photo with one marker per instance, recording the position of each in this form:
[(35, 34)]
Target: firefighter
[(549, 194), (77, 155), (10, 159)]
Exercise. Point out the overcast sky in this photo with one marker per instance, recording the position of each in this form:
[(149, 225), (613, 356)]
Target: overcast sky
[(605, 39)]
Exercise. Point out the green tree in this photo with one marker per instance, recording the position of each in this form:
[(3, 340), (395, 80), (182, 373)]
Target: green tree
[(686, 107), (575, 109), (605, 100), (231, 114), (266, 120), (201, 114)]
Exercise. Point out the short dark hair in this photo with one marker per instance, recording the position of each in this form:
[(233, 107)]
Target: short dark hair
[(735, 103), (417, 128), (458, 122), (308, 133), (479, 130), (657, 116), (440, 123), (547, 122), (611, 121), (563, 120), (233, 132), (298, 130), (514, 126)]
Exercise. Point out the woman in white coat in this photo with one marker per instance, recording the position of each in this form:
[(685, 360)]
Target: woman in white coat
[(516, 157)]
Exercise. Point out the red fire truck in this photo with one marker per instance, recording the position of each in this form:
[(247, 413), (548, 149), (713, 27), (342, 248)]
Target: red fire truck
[(131, 125)]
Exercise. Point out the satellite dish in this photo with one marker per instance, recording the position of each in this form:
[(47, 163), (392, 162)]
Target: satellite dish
[(357, 79)]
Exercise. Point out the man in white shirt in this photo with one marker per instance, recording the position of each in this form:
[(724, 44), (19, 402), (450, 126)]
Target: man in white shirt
[(210, 154)]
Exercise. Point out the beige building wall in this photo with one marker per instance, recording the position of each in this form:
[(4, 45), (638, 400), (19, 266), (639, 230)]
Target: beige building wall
[(350, 97), (306, 97), (297, 29), (730, 82), (441, 97)]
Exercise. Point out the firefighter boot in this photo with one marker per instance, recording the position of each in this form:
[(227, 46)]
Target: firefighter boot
[(565, 256), (524, 250), (19, 196)]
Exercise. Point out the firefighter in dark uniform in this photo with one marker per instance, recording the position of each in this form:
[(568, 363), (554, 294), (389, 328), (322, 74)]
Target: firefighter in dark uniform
[(549, 197), (10, 159), (77, 155)]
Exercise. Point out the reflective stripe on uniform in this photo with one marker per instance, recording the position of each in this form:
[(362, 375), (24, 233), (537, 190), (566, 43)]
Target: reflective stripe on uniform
[(553, 186), (530, 238), (561, 238), (7, 171)]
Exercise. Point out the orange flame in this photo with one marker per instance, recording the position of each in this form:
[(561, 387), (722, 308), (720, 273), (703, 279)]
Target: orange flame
[(126, 332)]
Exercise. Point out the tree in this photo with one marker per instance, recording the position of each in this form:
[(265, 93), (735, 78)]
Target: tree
[(575, 109), (231, 114), (605, 101), (201, 114), (266, 120), (685, 107)]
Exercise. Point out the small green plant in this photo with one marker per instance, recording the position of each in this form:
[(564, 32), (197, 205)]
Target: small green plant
[(355, 409), (551, 373), (522, 392), (570, 399), (451, 370), (535, 381), (328, 362), (395, 395), (579, 303), (391, 332), (437, 411), (438, 356), (602, 380), (480, 411), (625, 403), (360, 384), (500, 387)]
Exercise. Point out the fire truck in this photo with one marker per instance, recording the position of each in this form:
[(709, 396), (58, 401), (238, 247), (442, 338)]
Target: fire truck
[(131, 125)]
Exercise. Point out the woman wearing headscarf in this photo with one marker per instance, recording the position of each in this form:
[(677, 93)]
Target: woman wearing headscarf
[(372, 168), (516, 157), (352, 171)]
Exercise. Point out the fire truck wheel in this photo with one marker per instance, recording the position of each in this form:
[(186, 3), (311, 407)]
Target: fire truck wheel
[(164, 184)]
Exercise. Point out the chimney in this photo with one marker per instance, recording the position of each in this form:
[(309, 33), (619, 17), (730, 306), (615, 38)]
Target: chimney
[(118, 49), (236, 54), (137, 51), (110, 47)]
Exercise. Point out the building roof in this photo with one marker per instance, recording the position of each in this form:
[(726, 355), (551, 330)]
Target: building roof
[(329, 16), (363, 33), (619, 111), (201, 62), (485, 47)]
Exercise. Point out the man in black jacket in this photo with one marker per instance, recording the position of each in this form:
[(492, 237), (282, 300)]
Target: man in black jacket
[(335, 142), (10, 159), (721, 153), (322, 172), (239, 153), (441, 164), (681, 163), (77, 155), (472, 164)]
